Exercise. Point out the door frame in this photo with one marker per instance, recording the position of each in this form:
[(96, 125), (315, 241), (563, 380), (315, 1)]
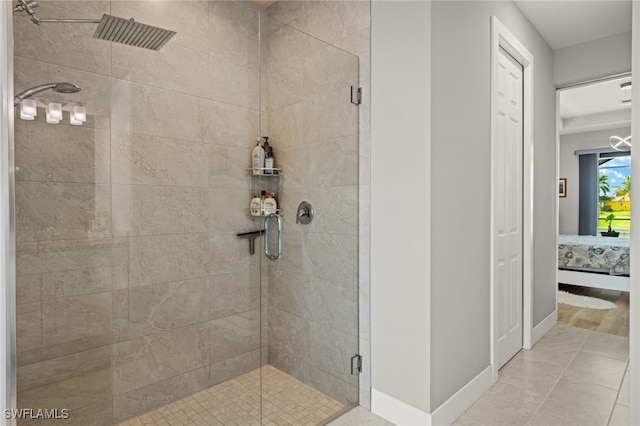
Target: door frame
[(502, 37)]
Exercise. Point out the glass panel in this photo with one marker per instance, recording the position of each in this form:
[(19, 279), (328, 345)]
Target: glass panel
[(312, 304)]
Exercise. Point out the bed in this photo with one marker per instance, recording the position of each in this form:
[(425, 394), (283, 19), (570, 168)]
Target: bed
[(601, 262)]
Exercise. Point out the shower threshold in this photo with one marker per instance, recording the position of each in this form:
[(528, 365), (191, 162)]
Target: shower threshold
[(285, 401)]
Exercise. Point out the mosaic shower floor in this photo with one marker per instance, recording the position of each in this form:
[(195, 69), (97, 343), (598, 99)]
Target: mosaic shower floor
[(286, 401)]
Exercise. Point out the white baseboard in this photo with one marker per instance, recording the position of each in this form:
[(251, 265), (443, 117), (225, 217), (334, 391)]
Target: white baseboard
[(396, 411), (401, 413), (544, 327), (460, 402)]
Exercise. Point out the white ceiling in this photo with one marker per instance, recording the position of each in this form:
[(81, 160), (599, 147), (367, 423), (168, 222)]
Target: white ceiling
[(593, 99), (565, 23)]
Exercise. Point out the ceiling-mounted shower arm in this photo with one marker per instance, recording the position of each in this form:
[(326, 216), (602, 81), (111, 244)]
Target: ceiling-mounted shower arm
[(39, 21)]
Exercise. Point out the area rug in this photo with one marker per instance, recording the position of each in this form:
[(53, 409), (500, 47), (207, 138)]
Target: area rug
[(583, 301)]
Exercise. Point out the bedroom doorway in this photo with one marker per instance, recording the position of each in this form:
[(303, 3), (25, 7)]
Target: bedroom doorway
[(594, 205)]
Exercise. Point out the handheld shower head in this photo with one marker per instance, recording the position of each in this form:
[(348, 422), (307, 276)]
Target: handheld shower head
[(57, 87)]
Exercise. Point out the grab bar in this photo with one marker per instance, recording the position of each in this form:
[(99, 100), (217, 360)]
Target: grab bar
[(251, 236), (268, 219)]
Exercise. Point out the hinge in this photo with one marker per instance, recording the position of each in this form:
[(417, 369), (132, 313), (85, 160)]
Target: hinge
[(356, 364), (356, 95)]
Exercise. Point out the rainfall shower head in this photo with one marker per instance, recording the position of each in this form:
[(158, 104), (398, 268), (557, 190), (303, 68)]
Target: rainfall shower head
[(132, 33), (110, 28), (57, 87)]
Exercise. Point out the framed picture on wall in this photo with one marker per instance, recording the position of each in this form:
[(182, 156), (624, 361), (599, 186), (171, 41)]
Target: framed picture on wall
[(562, 187)]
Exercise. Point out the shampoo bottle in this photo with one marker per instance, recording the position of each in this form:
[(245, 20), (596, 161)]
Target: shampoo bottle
[(268, 157), (256, 205), (269, 204), (257, 158)]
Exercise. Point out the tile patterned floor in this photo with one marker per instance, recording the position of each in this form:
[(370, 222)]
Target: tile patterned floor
[(572, 376), (286, 401)]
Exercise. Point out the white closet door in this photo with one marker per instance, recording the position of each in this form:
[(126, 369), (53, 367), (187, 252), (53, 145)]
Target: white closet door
[(507, 181)]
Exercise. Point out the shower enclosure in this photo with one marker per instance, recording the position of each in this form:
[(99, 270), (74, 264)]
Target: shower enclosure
[(134, 293)]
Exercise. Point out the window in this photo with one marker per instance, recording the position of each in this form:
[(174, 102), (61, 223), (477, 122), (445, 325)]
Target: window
[(614, 172)]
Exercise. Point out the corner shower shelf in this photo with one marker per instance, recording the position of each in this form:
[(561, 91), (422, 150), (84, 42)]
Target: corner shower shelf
[(266, 182)]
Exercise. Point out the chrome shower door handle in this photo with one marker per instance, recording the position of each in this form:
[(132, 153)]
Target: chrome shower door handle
[(267, 236)]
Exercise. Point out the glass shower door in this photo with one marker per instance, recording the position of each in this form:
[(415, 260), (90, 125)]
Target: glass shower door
[(310, 295)]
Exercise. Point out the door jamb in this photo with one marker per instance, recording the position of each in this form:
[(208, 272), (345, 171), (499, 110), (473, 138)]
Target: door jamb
[(502, 37)]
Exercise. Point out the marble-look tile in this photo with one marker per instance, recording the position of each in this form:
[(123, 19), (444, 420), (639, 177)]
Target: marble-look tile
[(286, 128), (153, 210), (76, 324), (94, 95), (560, 345), (175, 68), (620, 416), (546, 418), (233, 293), (76, 392), (283, 84), (534, 375), (595, 369), (234, 335), (359, 416), (327, 70), (166, 258), (505, 404), (233, 367), (147, 160), (228, 167), (332, 21), (28, 289), (359, 44), (333, 358), (314, 377), (187, 19), (121, 105), (28, 333), (233, 84), (283, 44), (229, 211), (98, 414), (607, 345), (583, 403), (162, 113), (64, 284), (329, 116), (336, 210), (295, 161), (61, 153), (53, 211), (158, 394), (156, 357), (286, 11), (233, 33), (63, 368), (53, 256), (229, 254), (332, 304), (287, 334), (334, 162), (74, 43), (155, 308), (328, 256), (623, 394)]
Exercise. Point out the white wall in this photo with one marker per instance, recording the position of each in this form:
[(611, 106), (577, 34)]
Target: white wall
[(592, 60), (400, 204), (7, 310), (568, 160), (461, 183)]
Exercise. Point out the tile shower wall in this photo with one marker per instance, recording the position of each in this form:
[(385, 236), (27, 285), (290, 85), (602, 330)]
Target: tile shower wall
[(346, 25), (132, 288), (313, 291)]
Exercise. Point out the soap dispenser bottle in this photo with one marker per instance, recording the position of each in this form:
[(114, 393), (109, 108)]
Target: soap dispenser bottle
[(268, 157), (269, 204), (257, 158)]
